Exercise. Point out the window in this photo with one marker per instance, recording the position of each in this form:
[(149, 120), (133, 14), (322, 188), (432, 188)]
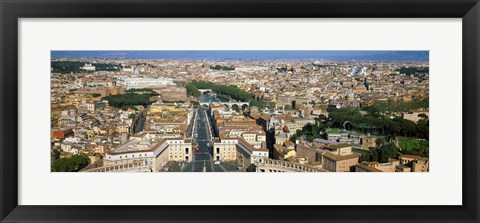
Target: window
[(317, 156)]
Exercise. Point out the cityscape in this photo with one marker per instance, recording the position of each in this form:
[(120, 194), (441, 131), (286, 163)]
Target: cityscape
[(239, 111)]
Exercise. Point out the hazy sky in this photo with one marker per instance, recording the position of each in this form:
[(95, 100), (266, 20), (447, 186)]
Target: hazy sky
[(250, 55)]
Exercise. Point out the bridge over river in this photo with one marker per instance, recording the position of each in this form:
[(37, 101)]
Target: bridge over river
[(228, 104)]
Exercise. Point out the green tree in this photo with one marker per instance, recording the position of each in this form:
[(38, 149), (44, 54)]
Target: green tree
[(387, 151), (227, 92), (61, 165), (423, 116), (374, 155), (140, 90), (129, 99), (79, 162), (132, 116), (72, 164), (365, 157), (55, 154), (192, 90)]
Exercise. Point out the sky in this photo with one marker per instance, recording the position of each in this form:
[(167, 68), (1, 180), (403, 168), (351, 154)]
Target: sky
[(249, 55)]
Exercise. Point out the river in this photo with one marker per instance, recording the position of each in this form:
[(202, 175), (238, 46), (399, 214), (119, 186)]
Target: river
[(209, 98)]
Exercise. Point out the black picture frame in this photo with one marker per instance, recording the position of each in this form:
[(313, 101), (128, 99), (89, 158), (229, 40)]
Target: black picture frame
[(11, 11)]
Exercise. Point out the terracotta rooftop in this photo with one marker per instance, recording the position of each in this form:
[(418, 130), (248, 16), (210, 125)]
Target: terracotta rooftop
[(337, 146), (411, 157), (368, 168), (340, 158)]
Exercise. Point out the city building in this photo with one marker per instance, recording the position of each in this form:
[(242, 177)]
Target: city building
[(151, 150), (239, 150), (88, 67), (137, 83), (339, 158), (416, 163)]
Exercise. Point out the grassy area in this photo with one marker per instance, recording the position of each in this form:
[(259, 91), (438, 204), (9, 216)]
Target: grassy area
[(334, 131), (338, 131), (414, 146), (408, 143), (353, 133), (356, 133), (361, 151)]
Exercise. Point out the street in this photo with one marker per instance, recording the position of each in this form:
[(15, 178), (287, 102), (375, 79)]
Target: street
[(203, 161), (201, 134)]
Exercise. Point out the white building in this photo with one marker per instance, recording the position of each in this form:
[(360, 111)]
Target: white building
[(88, 105), (251, 69), (239, 150), (152, 150), (136, 83), (88, 66), (128, 68)]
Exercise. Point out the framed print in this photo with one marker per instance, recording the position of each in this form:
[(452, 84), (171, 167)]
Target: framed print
[(174, 111)]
